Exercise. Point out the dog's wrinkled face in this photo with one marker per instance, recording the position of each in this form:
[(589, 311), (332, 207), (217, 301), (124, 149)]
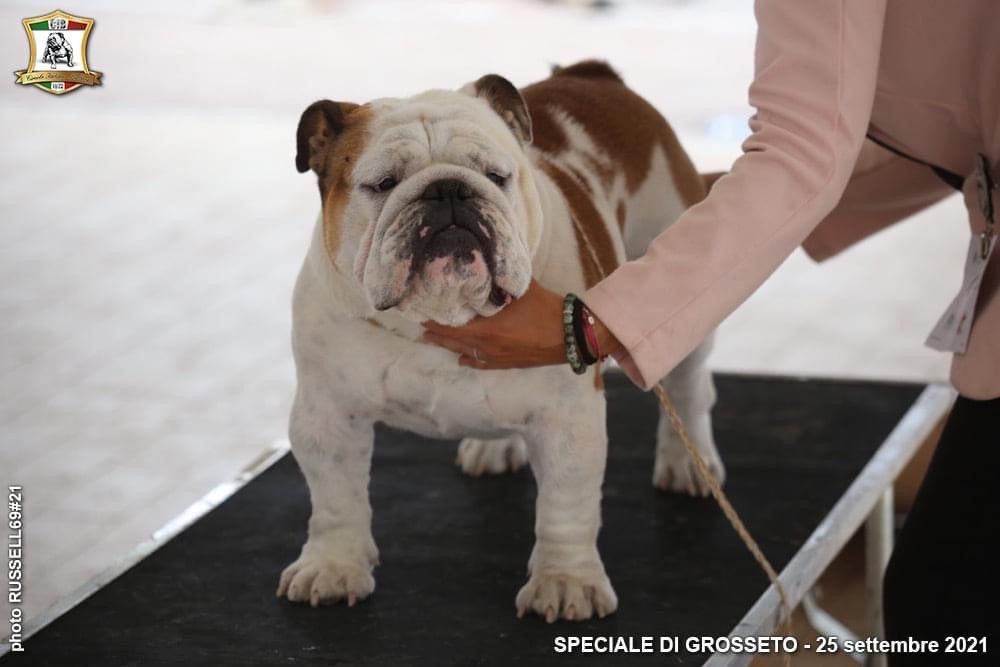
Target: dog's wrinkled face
[(441, 193), (437, 208)]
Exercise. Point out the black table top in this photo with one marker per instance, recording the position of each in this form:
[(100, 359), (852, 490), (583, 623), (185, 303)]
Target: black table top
[(454, 549)]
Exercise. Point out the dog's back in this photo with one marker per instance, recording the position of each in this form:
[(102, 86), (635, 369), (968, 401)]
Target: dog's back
[(600, 142)]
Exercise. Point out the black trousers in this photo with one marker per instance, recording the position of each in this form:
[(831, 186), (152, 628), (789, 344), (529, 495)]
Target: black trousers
[(941, 579)]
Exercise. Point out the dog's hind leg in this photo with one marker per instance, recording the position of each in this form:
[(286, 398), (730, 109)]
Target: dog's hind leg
[(654, 207), (692, 392), (477, 456)]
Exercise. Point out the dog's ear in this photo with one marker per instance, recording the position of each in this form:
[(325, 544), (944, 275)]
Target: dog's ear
[(506, 100), (320, 125)]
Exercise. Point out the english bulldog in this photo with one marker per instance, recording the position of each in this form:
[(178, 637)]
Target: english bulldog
[(443, 207), (57, 48)]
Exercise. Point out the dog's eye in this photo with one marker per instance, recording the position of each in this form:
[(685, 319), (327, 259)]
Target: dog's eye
[(386, 184), (497, 178)]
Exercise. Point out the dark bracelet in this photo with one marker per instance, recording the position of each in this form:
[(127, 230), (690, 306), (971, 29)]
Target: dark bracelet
[(569, 334)]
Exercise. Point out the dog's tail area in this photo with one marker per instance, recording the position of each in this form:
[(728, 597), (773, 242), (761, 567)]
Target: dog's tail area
[(588, 69)]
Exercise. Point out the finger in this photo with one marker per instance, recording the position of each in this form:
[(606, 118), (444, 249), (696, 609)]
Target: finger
[(445, 330), (470, 362), (470, 347), (473, 357), (435, 339), (447, 340), (481, 341), (434, 327)]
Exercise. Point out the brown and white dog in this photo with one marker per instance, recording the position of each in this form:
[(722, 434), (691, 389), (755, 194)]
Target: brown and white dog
[(443, 206)]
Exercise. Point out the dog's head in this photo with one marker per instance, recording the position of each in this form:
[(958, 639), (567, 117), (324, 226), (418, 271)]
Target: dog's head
[(428, 201), (55, 39)]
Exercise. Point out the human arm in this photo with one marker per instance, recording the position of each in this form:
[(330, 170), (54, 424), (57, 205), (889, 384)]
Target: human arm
[(816, 68)]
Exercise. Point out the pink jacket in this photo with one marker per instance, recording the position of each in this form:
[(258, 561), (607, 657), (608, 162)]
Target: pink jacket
[(922, 76)]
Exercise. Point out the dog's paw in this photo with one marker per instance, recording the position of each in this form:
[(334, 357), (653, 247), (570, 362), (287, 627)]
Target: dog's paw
[(493, 457), (323, 581), (569, 597), (675, 471)]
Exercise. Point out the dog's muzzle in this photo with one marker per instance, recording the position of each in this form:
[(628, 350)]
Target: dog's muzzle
[(454, 227)]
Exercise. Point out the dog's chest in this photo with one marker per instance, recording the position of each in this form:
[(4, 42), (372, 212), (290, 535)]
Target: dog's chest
[(431, 401), (447, 401), (421, 388)]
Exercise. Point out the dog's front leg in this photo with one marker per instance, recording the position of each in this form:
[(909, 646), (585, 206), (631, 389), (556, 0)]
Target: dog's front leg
[(334, 450), (566, 575)]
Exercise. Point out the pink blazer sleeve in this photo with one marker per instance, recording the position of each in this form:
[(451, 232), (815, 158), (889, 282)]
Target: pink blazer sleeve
[(815, 71)]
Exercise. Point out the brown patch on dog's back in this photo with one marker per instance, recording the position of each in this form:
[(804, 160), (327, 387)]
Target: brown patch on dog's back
[(547, 134), (597, 251), (337, 184), (621, 123)]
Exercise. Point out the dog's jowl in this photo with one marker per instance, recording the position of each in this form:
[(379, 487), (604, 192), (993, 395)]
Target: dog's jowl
[(442, 207)]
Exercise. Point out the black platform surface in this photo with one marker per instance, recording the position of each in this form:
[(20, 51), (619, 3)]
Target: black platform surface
[(454, 549)]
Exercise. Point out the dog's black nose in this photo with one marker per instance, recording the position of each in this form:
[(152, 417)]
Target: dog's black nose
[(447, 189)]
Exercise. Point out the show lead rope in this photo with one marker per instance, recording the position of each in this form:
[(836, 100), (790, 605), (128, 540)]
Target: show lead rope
[(708, 477), (728, 510)]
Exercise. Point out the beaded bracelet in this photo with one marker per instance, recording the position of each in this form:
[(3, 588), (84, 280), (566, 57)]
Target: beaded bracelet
[(572, 349)]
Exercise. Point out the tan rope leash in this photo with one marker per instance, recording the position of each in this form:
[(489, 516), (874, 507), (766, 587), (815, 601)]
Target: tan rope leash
[(708, 477), (727, 509)]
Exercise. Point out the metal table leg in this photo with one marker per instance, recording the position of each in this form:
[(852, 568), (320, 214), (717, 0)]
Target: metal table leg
[(878, 546)]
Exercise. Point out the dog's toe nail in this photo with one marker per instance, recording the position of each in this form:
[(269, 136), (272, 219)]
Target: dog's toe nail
[(550, 615)]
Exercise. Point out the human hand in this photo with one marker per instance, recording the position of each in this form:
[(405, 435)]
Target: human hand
[(527, 333)]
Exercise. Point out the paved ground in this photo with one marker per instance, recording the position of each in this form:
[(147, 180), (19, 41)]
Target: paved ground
[(150, 231)]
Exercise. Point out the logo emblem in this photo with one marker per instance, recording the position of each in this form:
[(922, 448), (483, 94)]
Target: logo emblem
[(57, 62)]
